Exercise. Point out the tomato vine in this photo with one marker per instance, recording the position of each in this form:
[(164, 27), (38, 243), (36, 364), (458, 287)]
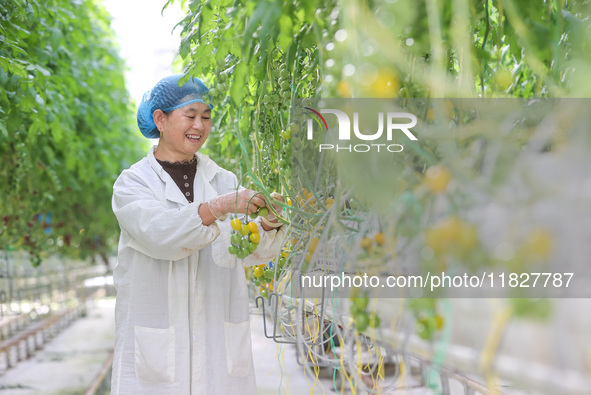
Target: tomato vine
[(66, 127), (260, 57)]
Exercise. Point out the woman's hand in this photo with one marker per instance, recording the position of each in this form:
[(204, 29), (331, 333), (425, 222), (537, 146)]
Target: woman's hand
[(244, 201), (277, 208), (270, 221)]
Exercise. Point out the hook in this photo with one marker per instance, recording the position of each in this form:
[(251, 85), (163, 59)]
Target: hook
[(275, 337)]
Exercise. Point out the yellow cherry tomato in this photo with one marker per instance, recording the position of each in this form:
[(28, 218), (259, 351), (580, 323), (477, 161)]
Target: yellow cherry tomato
[(467, 237), (380, 238), (451, 227), (284, 254), (313, 244), (539, 244), (253, 227), (255, 238), (236, 224), (439, 322), (329, 202), (258, 272), (436, 178), (431, 114), (436, 239), (448, 110), (344, 89), (384, 84), (366, 243)]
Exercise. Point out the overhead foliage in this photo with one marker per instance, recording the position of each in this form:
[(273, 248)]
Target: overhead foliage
[(261, 57), (257, 57)]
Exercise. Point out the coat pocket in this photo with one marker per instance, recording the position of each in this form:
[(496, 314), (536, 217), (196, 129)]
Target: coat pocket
[(238, 348), (154, 354)]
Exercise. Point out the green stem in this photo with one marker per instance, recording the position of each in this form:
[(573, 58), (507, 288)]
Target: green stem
[(485, 38)]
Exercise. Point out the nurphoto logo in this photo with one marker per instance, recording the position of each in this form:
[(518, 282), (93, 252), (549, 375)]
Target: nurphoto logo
[(394, 122)]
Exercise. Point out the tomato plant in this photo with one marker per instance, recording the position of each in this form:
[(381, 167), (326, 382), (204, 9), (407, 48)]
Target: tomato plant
[(261, 58), (66, 128)]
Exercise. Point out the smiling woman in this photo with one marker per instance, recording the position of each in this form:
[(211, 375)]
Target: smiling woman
[(182, 132), (182, 319)]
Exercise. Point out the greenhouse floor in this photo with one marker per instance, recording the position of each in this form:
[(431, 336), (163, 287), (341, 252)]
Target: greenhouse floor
[(69, 363), (278, 372)]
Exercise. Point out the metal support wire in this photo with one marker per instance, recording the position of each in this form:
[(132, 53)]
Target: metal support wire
[(319, 350), (383, 354), (444, 378), (275, 337), (469, 385), (273, 296), (321, 354)]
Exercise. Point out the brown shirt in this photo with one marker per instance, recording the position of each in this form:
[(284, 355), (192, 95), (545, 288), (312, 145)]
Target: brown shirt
[(183, 174)]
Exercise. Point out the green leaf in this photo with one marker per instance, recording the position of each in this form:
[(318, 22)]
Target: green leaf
[(3, 129), (184, 79), (11, 66), (286, 32), (185, 47), (238, 91), (56, 130), (39, 100)]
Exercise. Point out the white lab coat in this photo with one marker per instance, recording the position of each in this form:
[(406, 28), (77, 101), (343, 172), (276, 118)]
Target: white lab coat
[(182, 319)]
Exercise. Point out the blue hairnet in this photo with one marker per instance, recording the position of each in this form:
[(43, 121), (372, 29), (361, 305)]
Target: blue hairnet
[(167, 95)]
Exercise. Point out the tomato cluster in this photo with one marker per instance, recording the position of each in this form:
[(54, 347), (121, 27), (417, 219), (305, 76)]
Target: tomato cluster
[(220, 90), (428, 320), (306, 200), (361, 317), (282, 91), (261, 212), (451, 236), (245, 238), (264, 275), (373, 247)]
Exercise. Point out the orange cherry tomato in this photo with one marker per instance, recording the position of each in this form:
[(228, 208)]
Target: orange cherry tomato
[(253, 227), (366, 243), (380, 238)]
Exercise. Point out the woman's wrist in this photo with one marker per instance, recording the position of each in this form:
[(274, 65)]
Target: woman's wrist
[(207, 214), (217, 207)]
